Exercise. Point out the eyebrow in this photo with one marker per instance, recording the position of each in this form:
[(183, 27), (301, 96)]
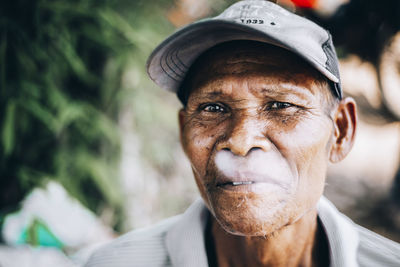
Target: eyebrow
[(211, 94), (283, 89)]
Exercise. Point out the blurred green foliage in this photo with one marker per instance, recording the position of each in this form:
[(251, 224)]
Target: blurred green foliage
[(61, 64)]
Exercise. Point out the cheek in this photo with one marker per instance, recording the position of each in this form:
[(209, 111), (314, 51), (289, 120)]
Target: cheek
[(306, 142), (198, 143), (305, 148)]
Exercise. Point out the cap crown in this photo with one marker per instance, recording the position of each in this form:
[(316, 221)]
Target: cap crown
[(257, 20)]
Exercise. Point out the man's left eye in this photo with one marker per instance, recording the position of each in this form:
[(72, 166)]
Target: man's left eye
[(213, 108), (278, 105)]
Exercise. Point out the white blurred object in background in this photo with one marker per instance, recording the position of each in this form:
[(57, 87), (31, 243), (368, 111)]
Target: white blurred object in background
[(52, 220)]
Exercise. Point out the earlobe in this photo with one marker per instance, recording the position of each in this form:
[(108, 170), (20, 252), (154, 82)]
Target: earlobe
[(345, 122)]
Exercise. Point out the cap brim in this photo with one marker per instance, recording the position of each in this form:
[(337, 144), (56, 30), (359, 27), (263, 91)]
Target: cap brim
[(170, 61)]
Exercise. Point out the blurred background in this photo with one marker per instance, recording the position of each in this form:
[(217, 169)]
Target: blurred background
[(89, 145)]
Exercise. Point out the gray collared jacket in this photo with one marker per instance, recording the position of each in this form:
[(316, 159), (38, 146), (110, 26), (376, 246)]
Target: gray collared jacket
[(179, 241)]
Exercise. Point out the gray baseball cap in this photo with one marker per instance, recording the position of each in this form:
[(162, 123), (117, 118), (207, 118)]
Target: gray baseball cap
[(256, 20)]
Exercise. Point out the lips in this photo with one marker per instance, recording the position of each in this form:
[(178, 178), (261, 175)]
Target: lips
[(248, 183), (248, 186), (255, 171), (235, 183), (238, 177), (238, 182)]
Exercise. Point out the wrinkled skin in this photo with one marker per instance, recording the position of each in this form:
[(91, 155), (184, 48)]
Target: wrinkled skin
[(259, 100)]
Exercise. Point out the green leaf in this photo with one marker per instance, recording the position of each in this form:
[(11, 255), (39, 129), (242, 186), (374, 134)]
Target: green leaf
[(42, 114)]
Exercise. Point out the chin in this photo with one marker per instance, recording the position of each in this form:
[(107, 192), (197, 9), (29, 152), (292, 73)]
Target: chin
[(250, 213)]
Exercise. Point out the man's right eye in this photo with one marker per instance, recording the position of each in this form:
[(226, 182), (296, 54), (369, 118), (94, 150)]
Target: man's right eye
[(213, 108)]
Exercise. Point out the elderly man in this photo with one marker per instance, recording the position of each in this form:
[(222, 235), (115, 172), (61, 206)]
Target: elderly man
[(263, 114)]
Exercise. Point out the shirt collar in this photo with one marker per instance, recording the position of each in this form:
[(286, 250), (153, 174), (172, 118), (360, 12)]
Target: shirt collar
[(342, 235), (185, 240), (186, 245)]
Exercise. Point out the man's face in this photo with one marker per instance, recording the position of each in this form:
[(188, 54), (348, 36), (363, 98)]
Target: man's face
[(258, 135)]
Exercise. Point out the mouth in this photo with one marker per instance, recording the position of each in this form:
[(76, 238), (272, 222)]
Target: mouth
[(235, 183), (246, 185)]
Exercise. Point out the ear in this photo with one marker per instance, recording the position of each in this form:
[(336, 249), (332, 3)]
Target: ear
[(345, 122), (181, 120)]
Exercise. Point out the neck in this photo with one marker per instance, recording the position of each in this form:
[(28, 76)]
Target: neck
[(292, 245)]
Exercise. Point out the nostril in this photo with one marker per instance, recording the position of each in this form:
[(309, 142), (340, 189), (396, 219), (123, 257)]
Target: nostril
[(243, 145), (255, 149)]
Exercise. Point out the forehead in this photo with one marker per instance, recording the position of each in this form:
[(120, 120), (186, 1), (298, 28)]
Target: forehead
[(249, 59)]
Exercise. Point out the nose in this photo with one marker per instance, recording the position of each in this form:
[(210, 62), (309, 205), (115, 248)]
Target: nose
[(245, 135)]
